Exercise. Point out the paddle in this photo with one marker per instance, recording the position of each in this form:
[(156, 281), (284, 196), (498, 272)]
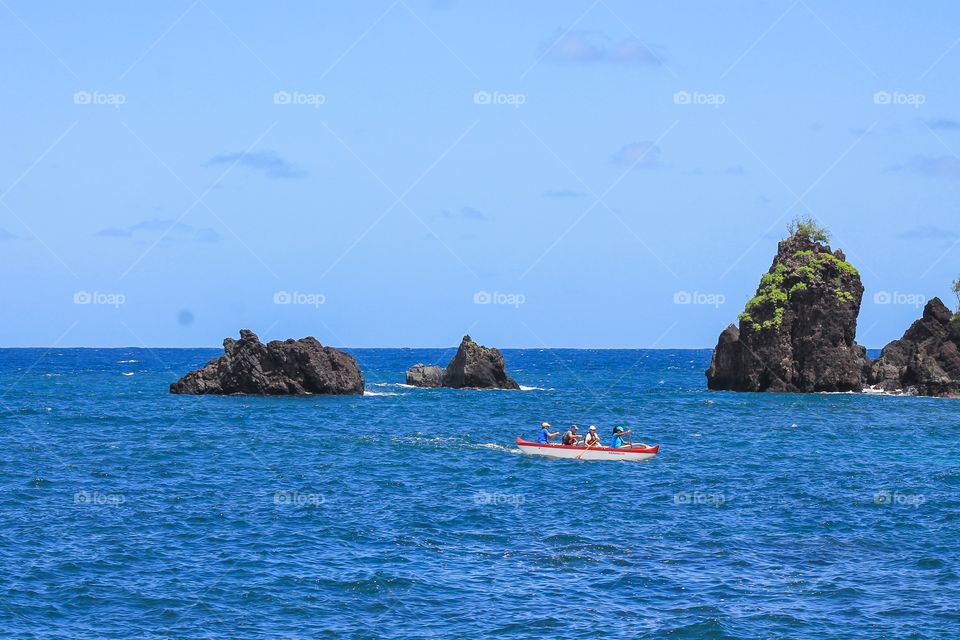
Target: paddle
[(588, 447)]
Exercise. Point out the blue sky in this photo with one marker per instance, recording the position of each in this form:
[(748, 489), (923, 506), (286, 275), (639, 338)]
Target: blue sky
[(563, 174)]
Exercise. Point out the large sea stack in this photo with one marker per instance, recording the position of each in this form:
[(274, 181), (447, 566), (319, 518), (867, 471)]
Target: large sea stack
[(797, 334), (288, 367), (926, 360), (474, 366)]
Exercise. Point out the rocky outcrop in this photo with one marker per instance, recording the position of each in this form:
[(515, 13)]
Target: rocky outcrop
[(474, 366), (289, 367), (726, 368), (479, 367), (926, 360), (422, 375), (797, 334)]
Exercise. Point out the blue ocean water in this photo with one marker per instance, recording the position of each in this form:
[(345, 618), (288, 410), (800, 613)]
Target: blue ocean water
[(126, 512)]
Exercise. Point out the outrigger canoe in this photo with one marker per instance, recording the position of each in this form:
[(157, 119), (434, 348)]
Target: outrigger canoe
[(637, 452)]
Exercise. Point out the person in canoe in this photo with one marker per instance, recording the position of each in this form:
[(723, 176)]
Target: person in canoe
[(592, 439), (618, 441), (544, 435), (570, 437)]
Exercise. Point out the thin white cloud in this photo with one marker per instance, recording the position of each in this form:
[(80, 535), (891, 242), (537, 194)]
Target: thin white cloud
[(465, 213), (944, 124), (928, 232), (172, 230), (162, 226), (590, 47), (638, 155), (270, 163), (935, 166)]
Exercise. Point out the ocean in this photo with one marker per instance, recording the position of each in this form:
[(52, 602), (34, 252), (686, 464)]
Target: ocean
[(127, 512)]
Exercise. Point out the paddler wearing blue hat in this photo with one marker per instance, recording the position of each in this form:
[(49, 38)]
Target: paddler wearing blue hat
[(618, 434)]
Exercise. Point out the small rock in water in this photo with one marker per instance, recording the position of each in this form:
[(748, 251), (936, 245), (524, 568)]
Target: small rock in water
[(474, 367)]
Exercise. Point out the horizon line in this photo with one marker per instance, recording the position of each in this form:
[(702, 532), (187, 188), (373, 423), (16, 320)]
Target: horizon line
[(345, 348)]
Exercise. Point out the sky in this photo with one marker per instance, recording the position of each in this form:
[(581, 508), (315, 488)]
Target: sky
[(397, 173)]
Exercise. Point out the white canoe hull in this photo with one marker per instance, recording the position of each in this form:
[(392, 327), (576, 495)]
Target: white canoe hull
[(582, 453)]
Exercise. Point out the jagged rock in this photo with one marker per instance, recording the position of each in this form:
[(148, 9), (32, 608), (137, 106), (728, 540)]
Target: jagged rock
[(473, 366), (726, 366), (798, 333), (289, 367), (477, 366), (926, 360), (421, 375)]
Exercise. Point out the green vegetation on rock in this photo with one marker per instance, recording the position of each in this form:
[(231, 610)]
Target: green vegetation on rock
[(800, 286), (772, 293), (807, 227), (803, 270), (823, 260), (843, 296), (956, 291)]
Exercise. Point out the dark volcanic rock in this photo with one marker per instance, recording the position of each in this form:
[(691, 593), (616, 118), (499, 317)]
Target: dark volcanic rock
[(478, 366), (726, 368), (926, 360), (421, 375), (289, 367), (474, 366), (798, 333)]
